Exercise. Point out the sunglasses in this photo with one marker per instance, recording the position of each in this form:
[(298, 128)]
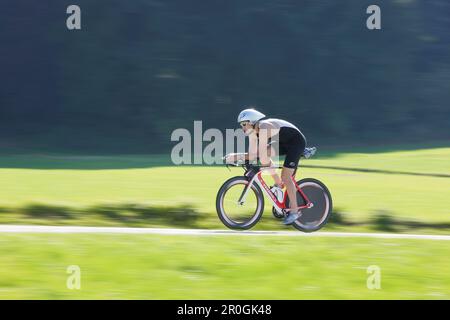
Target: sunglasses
[(244, 123)]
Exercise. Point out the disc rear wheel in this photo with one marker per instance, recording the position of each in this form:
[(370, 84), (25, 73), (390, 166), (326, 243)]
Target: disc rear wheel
[(314, 218)]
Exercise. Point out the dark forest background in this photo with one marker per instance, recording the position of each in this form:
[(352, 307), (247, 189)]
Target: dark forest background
[(139, 69)]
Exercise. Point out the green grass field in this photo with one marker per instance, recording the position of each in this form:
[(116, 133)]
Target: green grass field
[(221, 267), (406, 191), (396, 191)]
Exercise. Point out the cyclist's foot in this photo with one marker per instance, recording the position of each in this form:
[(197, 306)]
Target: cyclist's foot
[(291, 217)]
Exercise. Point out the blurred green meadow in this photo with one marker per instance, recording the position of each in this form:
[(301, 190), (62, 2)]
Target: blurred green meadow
[(392, 191), (34, 266), (373, 191), (139, 72)]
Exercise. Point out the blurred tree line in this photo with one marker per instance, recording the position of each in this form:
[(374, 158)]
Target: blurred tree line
[(139, 69)]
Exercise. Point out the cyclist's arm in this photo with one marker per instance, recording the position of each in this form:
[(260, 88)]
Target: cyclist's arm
[(264, 135), (251, 155)]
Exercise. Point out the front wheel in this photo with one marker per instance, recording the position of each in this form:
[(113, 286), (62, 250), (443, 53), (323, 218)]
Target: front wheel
[(237, 215), (314, 218)]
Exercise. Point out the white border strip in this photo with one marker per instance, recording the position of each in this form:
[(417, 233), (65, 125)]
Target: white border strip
[(205, 232)]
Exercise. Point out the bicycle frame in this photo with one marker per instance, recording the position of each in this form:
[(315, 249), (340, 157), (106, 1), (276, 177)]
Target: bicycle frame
[(279, 206)]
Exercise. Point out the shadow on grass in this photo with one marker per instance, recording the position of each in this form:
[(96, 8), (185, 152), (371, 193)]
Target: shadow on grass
[(179, 216), (187, 216), (332, 151), (83, 162), (57, 159), (339, 219), (4, 210), (50, 212), (364, 170), (122, 214), (386, 222)]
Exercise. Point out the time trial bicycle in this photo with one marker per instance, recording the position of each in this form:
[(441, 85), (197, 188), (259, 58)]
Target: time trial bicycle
[(240, 200)]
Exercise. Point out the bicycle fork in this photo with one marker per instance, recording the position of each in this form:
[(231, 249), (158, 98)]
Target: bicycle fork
[(244, 193)]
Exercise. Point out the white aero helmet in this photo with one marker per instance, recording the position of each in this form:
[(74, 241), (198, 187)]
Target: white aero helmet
[(250, 115)]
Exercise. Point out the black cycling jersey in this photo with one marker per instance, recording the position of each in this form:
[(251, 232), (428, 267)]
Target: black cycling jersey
[(291, 141)]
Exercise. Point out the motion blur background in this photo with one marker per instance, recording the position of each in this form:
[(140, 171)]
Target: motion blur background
[(85, 124), (139, 69)]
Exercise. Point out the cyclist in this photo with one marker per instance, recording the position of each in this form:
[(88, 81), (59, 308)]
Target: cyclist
[(263, 132)]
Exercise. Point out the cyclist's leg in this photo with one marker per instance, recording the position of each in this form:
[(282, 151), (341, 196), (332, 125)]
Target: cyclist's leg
[(273, 150), (291, 189), (289, 169)]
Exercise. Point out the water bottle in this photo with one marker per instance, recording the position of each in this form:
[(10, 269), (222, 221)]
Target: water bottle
[(278, 192)]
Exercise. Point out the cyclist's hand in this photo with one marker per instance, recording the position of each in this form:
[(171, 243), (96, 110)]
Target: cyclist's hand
[(230, 158), (234, 158)]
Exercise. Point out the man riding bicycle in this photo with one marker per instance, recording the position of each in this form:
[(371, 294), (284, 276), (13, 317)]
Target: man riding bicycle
[(265, 133)]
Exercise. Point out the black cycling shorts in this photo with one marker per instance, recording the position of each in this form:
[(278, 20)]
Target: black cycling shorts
[(292, 143)]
